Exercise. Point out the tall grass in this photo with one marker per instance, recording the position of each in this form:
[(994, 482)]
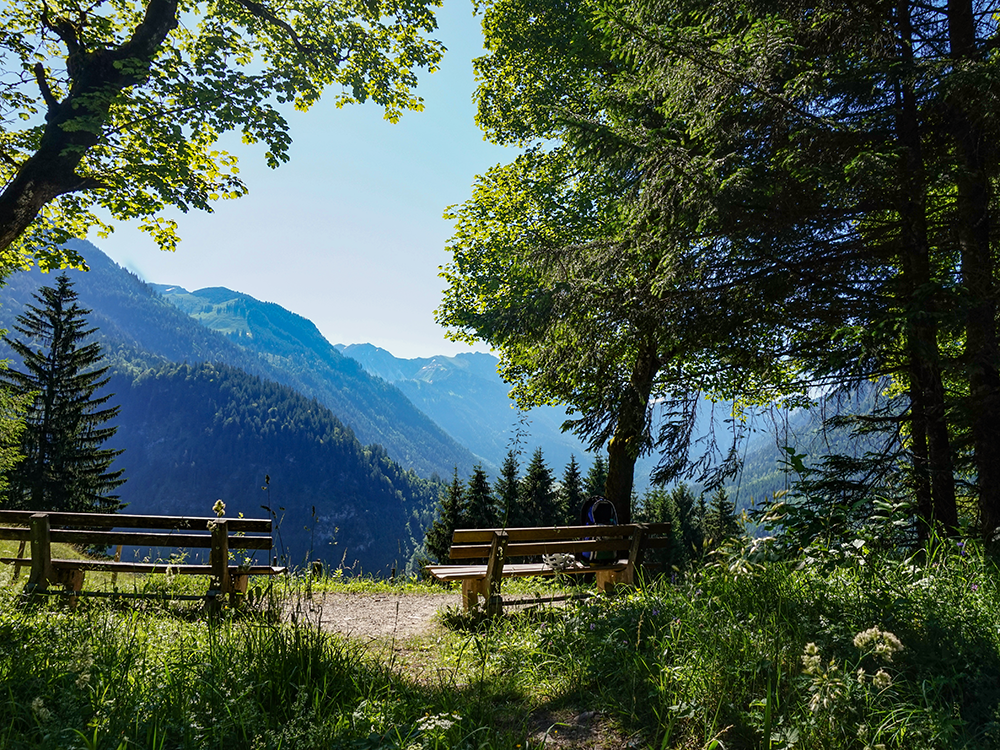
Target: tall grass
[(778, 655), (873, 651)]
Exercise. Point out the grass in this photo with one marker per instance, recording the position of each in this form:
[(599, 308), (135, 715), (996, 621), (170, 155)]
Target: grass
[(874, 651)]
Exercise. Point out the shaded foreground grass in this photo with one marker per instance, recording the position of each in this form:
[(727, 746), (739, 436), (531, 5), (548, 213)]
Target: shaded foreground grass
[(875, 651)]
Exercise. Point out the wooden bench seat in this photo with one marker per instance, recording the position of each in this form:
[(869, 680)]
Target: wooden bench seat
[(559, 548), (218, 535)]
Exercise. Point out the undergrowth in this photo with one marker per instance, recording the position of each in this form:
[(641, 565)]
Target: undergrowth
[(873, 651)]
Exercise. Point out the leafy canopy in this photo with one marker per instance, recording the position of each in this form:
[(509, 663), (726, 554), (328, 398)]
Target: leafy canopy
[(116, 108)]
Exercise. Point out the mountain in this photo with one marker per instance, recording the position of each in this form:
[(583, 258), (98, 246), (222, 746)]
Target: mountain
[(277, 345), (298, 356), (193, 434), (465, 395)]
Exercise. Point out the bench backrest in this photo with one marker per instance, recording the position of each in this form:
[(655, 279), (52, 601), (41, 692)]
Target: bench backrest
[(524, 542), (98, 529)]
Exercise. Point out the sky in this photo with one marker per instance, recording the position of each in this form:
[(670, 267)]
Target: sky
[(349, 233)]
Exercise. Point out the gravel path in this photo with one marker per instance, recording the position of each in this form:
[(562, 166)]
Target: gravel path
[(373, 616)]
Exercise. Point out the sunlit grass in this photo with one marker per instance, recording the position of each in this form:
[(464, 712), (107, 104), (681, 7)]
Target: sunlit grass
[(879, 650)]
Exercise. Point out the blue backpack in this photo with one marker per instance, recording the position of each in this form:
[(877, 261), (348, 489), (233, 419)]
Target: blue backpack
[(598, 511)]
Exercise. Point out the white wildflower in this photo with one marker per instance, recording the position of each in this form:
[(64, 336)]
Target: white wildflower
[(882, 680)]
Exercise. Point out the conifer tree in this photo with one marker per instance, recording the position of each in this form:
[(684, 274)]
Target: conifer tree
[(450, 512), (721, 523), (480, 508), (507, 491), (571, 493), (64, 467), (597, 477), (538, 497)]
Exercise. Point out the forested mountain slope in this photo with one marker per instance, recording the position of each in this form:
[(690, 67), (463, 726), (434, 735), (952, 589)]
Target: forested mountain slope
[(288, 349), (193, 434)]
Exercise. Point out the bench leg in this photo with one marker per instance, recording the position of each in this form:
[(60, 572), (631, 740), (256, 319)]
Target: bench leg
[(238, 583), (609, 580), (471, 589)]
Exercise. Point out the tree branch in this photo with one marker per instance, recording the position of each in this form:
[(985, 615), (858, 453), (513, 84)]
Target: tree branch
[(50, 101)]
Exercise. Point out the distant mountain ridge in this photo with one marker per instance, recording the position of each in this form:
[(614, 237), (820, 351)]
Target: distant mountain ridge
[(465, 395)]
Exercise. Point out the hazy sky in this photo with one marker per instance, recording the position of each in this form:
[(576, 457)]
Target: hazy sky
[(349, 232)]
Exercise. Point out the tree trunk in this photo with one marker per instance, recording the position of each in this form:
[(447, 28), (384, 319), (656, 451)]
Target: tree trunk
[(978, 273), (919, 297), (630, 431)]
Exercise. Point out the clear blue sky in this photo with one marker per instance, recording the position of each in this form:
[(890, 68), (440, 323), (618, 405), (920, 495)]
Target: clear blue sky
[(349, 232)]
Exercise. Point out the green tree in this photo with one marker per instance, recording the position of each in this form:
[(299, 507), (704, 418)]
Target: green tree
[(507, 491), (118, 106), (480, 507), (571, 493), (721, 523), (64, 467), (597, 477), (539, 505), (450, 511)]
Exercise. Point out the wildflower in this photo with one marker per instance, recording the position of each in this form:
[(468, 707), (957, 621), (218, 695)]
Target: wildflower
[(39, 710), (861, 675), (219, 508), (882, 643), (810, 659), (961, 548), (974, 587), (882, 680)]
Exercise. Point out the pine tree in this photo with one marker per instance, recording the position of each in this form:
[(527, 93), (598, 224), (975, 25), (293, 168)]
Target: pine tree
[(480, 507), (538, 497), (597, 477), (571, 494), (507, 491), (721, 523), (450, 511), (64, 467)]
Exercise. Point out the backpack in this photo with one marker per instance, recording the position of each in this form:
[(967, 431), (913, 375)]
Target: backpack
[(598, 511)]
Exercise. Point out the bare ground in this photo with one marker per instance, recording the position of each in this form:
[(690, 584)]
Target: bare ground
[(406, 625), (373, 617)]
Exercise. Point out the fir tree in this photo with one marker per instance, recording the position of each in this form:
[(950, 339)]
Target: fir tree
[(507, 491), (538, 498), (450, 512), (480, 508), (571, 494), (721, 523), (64, 467), (597, 477)]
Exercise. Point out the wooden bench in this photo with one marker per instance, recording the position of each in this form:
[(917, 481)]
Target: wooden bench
[(558, 546), (219, 535)]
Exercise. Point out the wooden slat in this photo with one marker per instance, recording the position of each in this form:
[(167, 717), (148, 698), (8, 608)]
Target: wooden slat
[(480, 536), (524, 549), (131, 521), (522, 570), (16, 533), (160, 567), (143, 539)]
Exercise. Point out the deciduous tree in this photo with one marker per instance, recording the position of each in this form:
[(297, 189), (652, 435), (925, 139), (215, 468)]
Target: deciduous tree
[(118, 106)]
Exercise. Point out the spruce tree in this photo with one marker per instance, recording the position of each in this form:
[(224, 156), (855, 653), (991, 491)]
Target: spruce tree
[(538, 497), (507, 491), (450, 511), (64, 467), (720, 519), (597, 477), (571, 493), (480, 507)]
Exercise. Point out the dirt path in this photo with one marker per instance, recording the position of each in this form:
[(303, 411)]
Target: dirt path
[(373, 616)]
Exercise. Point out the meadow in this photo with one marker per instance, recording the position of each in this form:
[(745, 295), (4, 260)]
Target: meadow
[(854, 650)]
